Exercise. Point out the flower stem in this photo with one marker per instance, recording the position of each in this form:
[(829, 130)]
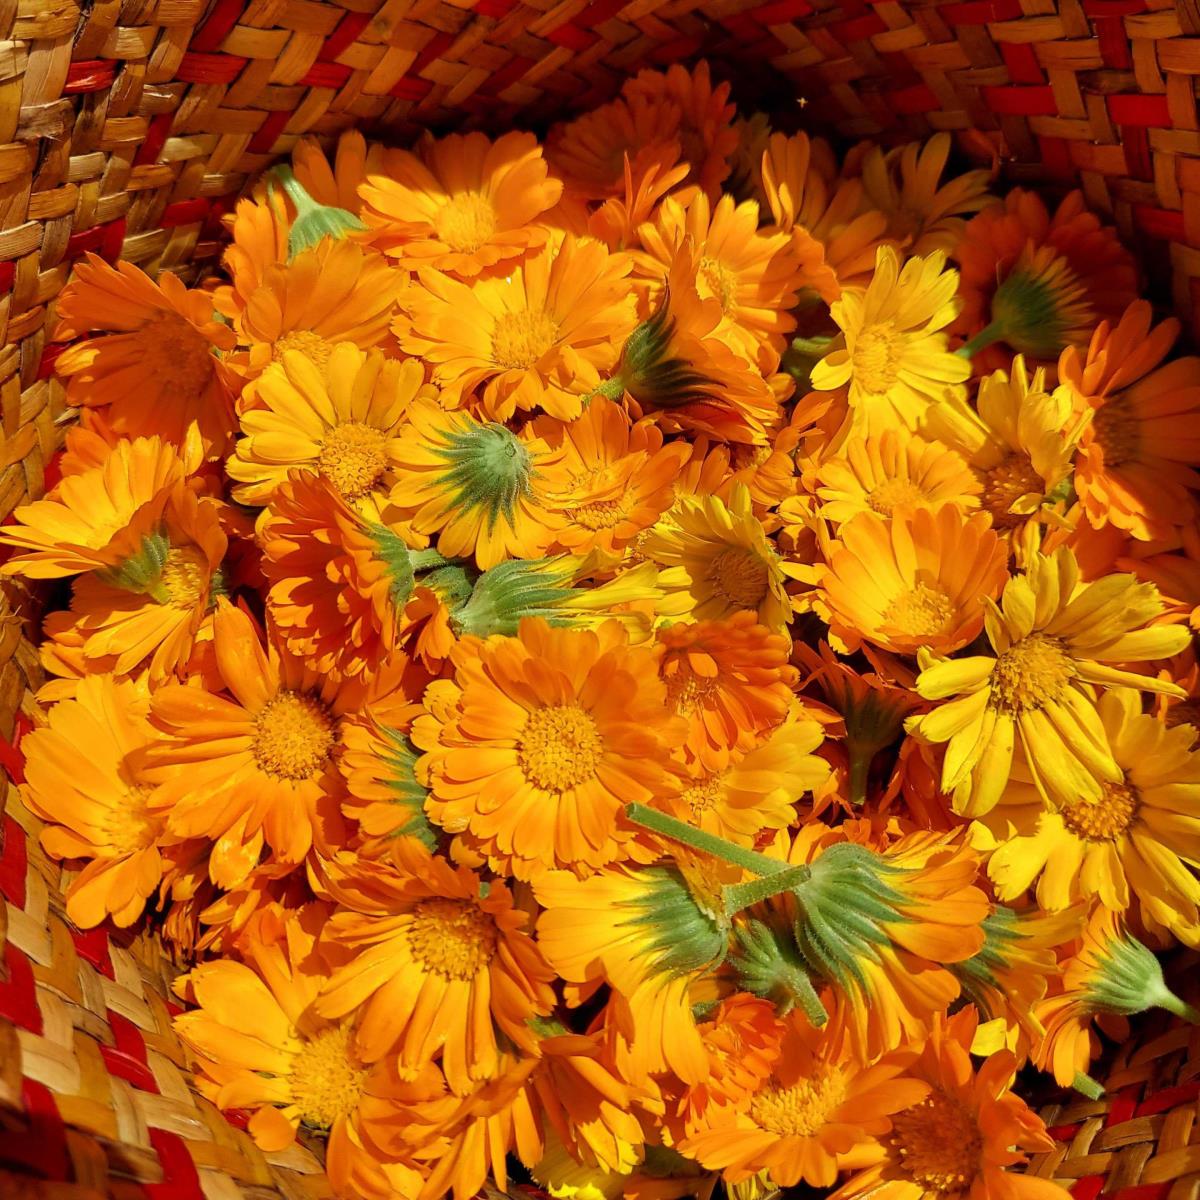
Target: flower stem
[(806, 996), (679, 831), (860, 765), (990, 333), (1085, 1085), (610, 389), (740, 896), (1181, 1008)]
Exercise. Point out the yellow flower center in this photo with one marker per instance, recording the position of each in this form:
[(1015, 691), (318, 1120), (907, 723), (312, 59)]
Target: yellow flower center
[(353, 457), (722, 282), (1005, 483), (519, 339), (739, 577), (466, 221), (326, 1079), (184, 576), (451, 938), (894, 493), (1103, 820), (876, 360), (131, 827), (920, 612), (601, 514), (293, 736), (704, 796), (559, 747), (938, 1144), (1117, 431), (1030, 674), (178, 354), (312, 345), (800, 1110)]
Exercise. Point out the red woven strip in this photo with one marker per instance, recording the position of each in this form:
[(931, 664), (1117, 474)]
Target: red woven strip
[(343, 37), (499, 80), (220, 21), (1021, 101), (411, 89), (88, 75), (12, 758), (18, 997), (856, 30), (263, 142), (1140, 110), (1168, 1098), (742, 27), (209, 68), (8, 275), (41, 1149), (781, 13), (1143, 1191), (127, 1059), (46, 362), (919, 98), (14, 861), (434, 48), (600, 11), (1062, 1133), (979, 12), (155, 139), (1114, 8), (670, 52), (572, 37), (1022, 63), (1114, 46), (1122, 1107), (185, 212), (181, 1180), (106, 240), (326, 75), (1137, 152), (1088, 1188), (495, 8), (1006, 10), (92, 946), (219, 207)]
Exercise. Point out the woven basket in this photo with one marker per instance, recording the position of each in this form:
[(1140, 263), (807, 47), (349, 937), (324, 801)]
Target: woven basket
[(129, 129)]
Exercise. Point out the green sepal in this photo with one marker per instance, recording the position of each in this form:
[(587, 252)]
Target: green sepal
[(682, 937), (142, 571), (489, 469), (648, 371), (1129, 980), (510, 591), (313, 221), (1027, 311), (769, 964), (408, 794)]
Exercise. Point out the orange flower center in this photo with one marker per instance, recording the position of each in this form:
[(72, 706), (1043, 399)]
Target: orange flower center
[(466, 221), (520, 338), (1103, 820), (687, 690), (938, 1144), (800, 1110), (601, 514), (179, 354), (1030, 674), (451, 938), (722, 282), (353, 457), (312, 345), (131, 827), (876, 359), (293, 736), (704, 796), (739, 577), (326, 1080), (1117, 431), (559, 747), (184, 576), (920, 612), (1005, 483), (894, 493)]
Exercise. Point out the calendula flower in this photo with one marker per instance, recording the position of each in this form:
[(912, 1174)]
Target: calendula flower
[(705, 132), (336, 183), (819, 1112), (577, 728), (729, 678), (905, 184), (536, 337), (1131, 846), (341, 422), (438, 964), (959, 1141), (1138, 454), (1053, 641), (155, 370), (617, 476), (893, 470), (751, 274), (896, 359), (461, 204), (82, 775), (717, 561), (745, 177), (150, 604), (481, 488), (919, 578), (252, 768), (98, 516), (1038, 283)]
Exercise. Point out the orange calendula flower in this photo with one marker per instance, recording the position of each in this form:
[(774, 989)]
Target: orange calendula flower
[(254, 767), (917, 579), (155, 371), (731, 679), (481, 488), (959, 1141), (536, 337), (1138, 455), (571, 724), (82, 775), (440, 965), (461, 204), (819, 1112), (342, 422)]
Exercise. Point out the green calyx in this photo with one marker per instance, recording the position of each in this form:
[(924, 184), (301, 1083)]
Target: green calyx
[(872, 724), (402, 563), (979, 975), (142, 571), (312, 221), (510, 591), (650, 373), (769, 964), (682, 937), (488, 468), (801, 356), (1129, 980), (1027, 315), (399, 760)]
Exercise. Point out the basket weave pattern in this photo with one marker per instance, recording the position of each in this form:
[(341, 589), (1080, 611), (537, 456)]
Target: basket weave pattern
[(129, 128)]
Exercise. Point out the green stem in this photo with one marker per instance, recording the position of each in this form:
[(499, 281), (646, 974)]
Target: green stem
[(296, 191), (1085, 1085), (679, 831), (860, 766), (740, 896), (1181, 1008), (610, 389), (990, 333), (810, 1002), (426, 560)]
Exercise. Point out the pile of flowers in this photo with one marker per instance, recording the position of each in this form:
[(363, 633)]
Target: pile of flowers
[(647, 661)]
